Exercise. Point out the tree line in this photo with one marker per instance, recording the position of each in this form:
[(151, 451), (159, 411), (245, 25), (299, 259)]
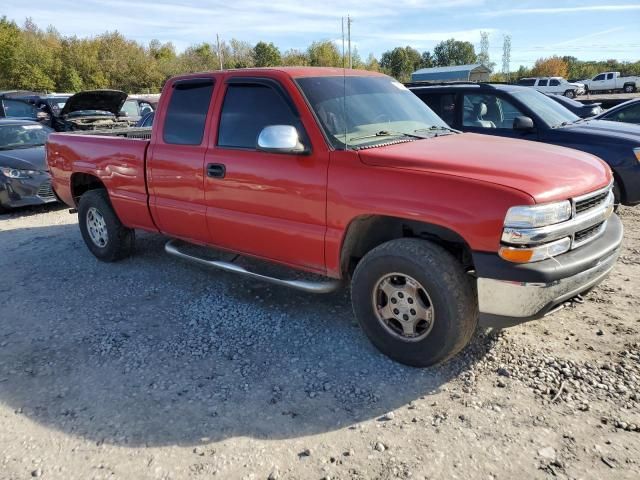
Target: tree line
[(44, 60)]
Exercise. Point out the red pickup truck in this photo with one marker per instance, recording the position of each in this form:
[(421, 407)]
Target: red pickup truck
[(349, 176)]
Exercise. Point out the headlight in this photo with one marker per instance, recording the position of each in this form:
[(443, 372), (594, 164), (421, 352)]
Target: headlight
[(636, 152), (532, 216), (16, 173)]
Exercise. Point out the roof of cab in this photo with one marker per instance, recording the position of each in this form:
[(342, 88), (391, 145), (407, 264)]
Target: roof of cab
[(293, 72)]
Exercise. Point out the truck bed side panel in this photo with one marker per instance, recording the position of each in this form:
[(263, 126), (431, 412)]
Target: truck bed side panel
[(118, 162)]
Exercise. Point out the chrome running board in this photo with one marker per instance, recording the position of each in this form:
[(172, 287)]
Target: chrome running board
[(326, 286)]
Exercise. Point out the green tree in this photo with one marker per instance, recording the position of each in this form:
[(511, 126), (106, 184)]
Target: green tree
[(241, 54), (324, 54), (427, 60), (454, 52), (401, 62), (295, 58), (266, 55)]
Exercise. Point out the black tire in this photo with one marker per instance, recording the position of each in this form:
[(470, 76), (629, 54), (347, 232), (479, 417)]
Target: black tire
[(629, 88), (451, 292), (617, 196), (570, 94), (120, 240)]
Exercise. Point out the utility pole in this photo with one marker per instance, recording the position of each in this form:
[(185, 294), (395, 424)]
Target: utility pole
[(219, 50), (349, 40), (506, 57)]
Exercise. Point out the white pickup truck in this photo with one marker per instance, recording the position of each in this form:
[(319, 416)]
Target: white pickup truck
[(612, 81)]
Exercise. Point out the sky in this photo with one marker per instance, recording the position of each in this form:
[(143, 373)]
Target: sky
[(587, 29)]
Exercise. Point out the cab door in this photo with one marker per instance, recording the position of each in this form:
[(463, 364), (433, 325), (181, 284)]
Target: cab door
[(271, 205), (175, 160)]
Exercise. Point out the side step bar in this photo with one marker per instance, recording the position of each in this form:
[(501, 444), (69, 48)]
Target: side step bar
[(305, 285)]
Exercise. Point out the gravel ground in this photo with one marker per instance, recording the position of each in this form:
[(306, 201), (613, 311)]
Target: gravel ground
[(154, 368)]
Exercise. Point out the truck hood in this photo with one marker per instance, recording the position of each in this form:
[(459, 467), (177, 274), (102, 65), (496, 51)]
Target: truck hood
[(608, 130), (24, 158), (545, 172), (104, 100)]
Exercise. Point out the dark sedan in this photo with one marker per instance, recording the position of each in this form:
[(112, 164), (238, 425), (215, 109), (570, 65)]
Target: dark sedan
[(627, 112), (583, 110), (24, 179), (520, 112)]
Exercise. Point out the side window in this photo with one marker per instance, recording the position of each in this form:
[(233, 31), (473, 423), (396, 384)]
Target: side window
[(527, 82), (247, 109), (599, 77), (554, 83), (187, 112), (443, 105), (627, 115), (15, 108), (542, 82), (489, 111), (609, 76)]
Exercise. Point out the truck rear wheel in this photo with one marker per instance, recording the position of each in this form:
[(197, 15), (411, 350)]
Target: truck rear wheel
[(414, 301), (101, 228), (629, 88)]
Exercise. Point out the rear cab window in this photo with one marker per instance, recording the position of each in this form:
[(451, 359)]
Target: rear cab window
[(187, 112)]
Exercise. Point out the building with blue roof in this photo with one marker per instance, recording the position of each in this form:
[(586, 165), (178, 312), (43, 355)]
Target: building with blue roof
[(476, 72)]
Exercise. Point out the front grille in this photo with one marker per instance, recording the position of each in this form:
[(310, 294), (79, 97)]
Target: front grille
[(45, 191), (583, 235), (591, 202)]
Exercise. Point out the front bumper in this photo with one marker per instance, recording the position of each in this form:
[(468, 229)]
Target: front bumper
[(509, 294), (17, 192)]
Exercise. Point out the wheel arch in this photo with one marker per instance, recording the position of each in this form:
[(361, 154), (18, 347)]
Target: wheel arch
[(366, 232), (81, 182)]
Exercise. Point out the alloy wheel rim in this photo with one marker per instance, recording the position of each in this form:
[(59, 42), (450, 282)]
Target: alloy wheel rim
[(97, 228), (403, 307)]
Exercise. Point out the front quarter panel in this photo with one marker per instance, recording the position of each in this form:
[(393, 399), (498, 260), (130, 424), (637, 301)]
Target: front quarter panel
[(472, 209)]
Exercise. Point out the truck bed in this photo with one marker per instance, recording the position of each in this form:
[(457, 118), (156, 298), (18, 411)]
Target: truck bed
[(116, 157)]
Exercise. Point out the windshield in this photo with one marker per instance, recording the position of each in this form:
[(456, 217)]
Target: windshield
[(552, 113), (130, 107), (374, 110), (22, 136)]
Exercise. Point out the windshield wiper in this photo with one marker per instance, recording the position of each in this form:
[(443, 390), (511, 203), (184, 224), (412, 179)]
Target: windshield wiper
[(433, 128), (386, 133)]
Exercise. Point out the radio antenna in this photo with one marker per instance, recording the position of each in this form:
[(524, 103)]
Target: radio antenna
[(344, 90)]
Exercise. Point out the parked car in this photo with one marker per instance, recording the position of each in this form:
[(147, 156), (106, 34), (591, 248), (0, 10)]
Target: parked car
[(24, 176), (583, 110), (553, 86), (93, 110), (520, 112), (433, 228), (17, 108), (49, 105), (135, 109), (627, 112), (611, 81), (147, 120)]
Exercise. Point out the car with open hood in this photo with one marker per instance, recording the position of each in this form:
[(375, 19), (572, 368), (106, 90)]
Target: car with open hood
[(93, 110)]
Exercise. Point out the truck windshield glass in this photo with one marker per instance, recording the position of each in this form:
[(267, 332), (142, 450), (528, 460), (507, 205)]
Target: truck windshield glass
[(551, 112), (374, 110), (22, 136)]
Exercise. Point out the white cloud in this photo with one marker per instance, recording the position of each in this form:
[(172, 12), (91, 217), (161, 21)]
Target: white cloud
[(555, 10)]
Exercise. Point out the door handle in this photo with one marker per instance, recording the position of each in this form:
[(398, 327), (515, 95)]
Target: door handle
[(216, 170)]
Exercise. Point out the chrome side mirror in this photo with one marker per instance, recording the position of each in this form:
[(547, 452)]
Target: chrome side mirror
[(280, 139)]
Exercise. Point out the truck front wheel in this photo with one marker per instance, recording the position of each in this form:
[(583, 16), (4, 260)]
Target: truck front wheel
[(101, 228), (414, 301)]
